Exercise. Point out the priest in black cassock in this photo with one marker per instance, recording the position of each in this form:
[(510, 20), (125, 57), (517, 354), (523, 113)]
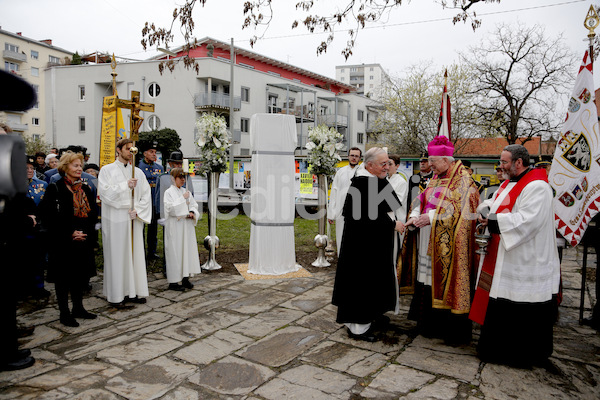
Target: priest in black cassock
[(365, 283)]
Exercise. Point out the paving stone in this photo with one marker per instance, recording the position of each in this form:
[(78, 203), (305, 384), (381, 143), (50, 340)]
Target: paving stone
[(280, 389), (195, 328), (28, 393), (38, 368), (297, 286), (208, 283), (150, 380), (259, 302), (65, 375), (95, 394), (232, 376), (254, 286), (345, 358), (146, 348), (265, 323), (321, 379), (182, 393), (41, 335), (282, 346), (213, 347), (196, 306), (442, 389), (322, 320), (532, 384), (459, 366), (391, 346), (311, 300), (395, 380)]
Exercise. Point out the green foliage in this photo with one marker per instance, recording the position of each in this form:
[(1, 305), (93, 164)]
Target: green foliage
[(32, 146), (168, 140), (76, 59)]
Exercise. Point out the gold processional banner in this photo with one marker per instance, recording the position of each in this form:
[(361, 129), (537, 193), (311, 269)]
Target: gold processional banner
[(112, 130)]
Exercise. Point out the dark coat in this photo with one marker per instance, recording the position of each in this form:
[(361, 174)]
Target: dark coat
[(365, 281), (66, 256)]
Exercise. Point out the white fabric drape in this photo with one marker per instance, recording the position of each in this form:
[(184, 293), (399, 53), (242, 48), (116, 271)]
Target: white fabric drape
[(181, 247), (337, 197), (272, 246), (124, 271)]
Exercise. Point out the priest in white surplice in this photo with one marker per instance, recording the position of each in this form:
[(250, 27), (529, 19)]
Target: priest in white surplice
[(124, 271), (525, 271), (337, 196), (181, 247)]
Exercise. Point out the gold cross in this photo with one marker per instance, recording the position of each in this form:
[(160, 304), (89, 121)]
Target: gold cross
[(135, 105)]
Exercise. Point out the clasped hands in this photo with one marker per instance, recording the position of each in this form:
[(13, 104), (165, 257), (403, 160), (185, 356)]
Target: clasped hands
[(419, 222)]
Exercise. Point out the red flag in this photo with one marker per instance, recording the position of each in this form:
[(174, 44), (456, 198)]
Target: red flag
[(575, 172), (444, 123)]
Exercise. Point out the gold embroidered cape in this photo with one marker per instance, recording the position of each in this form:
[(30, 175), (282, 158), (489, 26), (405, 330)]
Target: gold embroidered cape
[(451, 245)]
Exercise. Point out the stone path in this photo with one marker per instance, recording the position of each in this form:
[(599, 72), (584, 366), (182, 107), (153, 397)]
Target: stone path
[(277, 339)]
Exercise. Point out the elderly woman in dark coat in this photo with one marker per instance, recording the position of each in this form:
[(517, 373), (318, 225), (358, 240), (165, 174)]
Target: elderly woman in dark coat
[(69, 213)]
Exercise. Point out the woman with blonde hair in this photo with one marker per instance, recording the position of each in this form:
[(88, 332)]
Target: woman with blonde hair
[(69, 212), (181, 247)]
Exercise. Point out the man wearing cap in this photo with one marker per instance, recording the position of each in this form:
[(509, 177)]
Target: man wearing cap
[(520, 273), (544, 162), (152, 170), (438, 262), (418, 182), (337, 196)]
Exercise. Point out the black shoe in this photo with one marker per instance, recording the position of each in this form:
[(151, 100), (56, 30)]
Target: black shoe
[(68, 320), (23, 353), (24, 330), (120, 306), (17, 364), (83, 314), (153, 256), (40, 293), (366, 337), (592, 322), (381, 322), (186, 283), (176, 286), (137, 300)]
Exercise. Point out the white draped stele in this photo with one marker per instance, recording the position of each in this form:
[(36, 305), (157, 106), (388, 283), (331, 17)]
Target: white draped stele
[(273, 141)]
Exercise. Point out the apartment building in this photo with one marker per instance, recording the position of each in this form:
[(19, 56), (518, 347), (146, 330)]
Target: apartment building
[(260, 85), (367, 79), (29, 58)]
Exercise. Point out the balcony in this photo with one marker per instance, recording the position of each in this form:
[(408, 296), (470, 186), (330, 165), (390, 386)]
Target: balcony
[(332, 120), (300, 112), (212, 101), (19, 127), (13, 56)]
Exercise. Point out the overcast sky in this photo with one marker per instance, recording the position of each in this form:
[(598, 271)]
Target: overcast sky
[(417, 31)]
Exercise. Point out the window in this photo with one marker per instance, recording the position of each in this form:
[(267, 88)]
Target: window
[(213, 88), (35, 71), (81, 124), (154, 122), (244, 125), (323, 110), (360, 137), (342, 70), (342, 79), (273, 73), (11, 47), (371, 69), (153, 90), (246, 65), (34, 55), (11, 67), (35, 121), (246, 94), (225, 89), (81, 93), (54, 60), (35, 137), (371, 77), (36, 89), (360, 115), (272, 104), (353, 69)]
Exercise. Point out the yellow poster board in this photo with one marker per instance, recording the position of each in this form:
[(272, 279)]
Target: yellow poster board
[(306, 183), (112, 130)]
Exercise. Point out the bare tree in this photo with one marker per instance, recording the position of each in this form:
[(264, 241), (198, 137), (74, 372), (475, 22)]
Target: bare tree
[(412, 108), (357, 14), (519, 75)]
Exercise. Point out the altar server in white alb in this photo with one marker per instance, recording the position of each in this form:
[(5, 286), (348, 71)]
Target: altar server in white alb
[(125, 278), (181, 247), (520, 273), (337, 195)]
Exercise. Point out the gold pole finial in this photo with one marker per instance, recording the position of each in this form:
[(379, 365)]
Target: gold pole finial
[(591, 21), (113, 65)]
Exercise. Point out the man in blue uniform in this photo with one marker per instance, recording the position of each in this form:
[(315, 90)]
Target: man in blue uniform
[(153, 171), (34, 273)]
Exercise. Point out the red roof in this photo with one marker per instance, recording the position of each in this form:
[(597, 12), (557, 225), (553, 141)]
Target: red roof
[(492, 147)]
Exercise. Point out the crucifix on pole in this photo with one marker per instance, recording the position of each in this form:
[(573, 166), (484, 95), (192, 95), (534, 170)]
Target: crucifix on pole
[(135, 105)]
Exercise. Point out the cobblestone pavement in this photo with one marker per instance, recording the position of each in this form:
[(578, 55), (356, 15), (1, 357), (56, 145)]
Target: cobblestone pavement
[(277, 339)]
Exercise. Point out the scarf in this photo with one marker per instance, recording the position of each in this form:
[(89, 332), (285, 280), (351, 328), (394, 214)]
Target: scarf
[(81, 205)]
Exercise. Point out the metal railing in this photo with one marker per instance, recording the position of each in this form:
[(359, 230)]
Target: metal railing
[(216, 100)]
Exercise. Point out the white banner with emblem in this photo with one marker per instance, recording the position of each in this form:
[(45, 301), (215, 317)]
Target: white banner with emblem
[(575, 172)]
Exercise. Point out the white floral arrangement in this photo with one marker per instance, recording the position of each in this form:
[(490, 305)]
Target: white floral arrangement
[(323, 147), (213, 141)]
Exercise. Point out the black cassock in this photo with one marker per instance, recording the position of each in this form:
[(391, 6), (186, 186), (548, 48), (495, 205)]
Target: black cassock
[(365, 281)]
